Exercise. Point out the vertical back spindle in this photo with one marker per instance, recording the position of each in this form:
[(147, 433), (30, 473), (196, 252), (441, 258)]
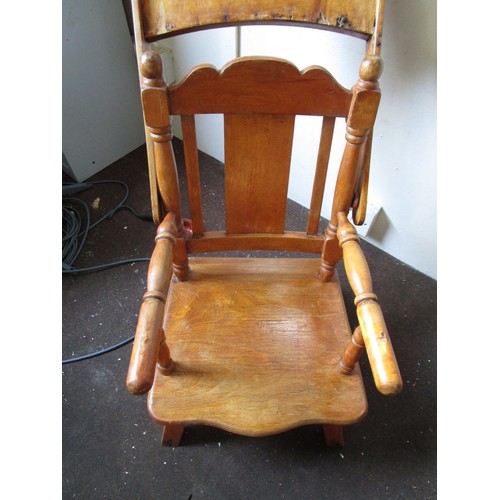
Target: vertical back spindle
[(157, 118), (192, 173), (325, 145)]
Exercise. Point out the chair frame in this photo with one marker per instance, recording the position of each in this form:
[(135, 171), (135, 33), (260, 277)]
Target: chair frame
[(177, 238)]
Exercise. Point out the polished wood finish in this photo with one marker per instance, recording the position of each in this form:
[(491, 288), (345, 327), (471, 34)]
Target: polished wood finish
[(325, 145), (156, 208), (172, 434), (333, 435), (140, 47), (220, 241), (256, 184), (374, 44), (159, 128), (164, 18), (192, 173), (149, 334), (259, 85), (361, 195), (181, 261), (165, 363), (353, 352), (376, 338), (362, 113), (256, 343), (258, 346)]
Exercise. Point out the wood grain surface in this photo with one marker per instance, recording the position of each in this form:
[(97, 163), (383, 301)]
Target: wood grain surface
[(256, 84), (256, 344), (169, 17)]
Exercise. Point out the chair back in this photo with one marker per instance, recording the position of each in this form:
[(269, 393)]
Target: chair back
[(259, 98)]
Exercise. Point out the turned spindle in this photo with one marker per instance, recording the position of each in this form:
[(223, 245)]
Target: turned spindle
[(371, 321), (150, 346), (352, 353), (158, 124), (362, 114), (157, 118), (165, 363)]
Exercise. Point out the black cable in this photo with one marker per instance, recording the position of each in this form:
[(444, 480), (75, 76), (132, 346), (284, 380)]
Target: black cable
[(98, 353), (72, 223), (101, 267), (112, 212), (74, 238)]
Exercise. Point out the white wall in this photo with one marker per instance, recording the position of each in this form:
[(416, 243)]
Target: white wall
[(100, 87), (403, 172), (180, 54)]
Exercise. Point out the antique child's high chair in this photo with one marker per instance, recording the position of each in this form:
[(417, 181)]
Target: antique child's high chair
[(257, 346)]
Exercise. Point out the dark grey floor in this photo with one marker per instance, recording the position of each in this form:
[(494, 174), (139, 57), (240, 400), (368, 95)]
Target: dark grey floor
[(111, 448)]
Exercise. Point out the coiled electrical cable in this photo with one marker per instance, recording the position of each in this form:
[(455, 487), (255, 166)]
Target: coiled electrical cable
[(75, 229), (74, 236)]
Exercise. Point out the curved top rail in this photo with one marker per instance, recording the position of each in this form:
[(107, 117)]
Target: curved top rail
[(164, 18), (259, 85)]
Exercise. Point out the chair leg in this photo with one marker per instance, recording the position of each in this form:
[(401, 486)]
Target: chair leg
[(172, 434), (333, 435)]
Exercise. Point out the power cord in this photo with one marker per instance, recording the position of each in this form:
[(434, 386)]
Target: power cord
[(75, 231), (98, 353), (74, 238)]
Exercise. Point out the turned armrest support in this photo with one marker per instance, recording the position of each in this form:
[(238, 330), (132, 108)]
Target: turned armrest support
[(149, 332), (353, 352), (371, 321)]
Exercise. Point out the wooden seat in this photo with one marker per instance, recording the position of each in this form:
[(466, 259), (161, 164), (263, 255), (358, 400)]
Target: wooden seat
[(256, 343), (257, 346)]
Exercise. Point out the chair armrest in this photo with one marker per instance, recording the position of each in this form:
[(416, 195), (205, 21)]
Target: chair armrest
[(149, 330), (378, 345)]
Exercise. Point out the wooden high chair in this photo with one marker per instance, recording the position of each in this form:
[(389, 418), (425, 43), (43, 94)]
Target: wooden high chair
[(257, 346)]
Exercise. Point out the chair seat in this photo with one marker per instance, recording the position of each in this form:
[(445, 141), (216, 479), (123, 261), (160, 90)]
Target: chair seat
[(256, 344)]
